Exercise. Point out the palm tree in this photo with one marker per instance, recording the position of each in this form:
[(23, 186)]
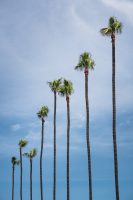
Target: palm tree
[(14, 162), (31, 155), (114, 27), (22, 143), (66, 90), (43, 112), (86, 63), (55, 86)]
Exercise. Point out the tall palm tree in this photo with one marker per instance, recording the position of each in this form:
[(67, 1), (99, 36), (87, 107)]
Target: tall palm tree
[(31, 155), (14, 162), (114, 27), (43, 112), (55, 86), (86, 63), (22, 144), (66, 90)]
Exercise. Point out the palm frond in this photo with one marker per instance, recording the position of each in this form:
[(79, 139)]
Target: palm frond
[(85, 61), (114, 26), (111, 21), (54, 85), (106, 31), (43, 112), (66, 89), (26, 155), (118, 27), (22, 143), (15, 161), (33, 153)]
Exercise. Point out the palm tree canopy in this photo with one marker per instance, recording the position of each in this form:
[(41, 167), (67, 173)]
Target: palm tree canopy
[(31, 154), (114, 26), (67, 88), (43, 112), (22, 143), (85, 62), (55, 85), (15, 161)]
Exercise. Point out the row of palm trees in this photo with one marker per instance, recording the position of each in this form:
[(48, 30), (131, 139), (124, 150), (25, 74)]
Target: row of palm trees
[(14, 161), (64, 88)]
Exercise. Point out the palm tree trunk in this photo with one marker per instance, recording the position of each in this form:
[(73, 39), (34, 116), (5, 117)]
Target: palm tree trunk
[(30, 178), (68, 145), (41, 154), (21, 173), (114, 118), (13, 182), (54, 185), (88, 134)]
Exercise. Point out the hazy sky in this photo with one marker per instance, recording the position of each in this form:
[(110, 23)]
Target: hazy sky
[(41, 41)]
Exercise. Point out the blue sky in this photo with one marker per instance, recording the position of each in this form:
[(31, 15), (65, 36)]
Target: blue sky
[(41, 41)]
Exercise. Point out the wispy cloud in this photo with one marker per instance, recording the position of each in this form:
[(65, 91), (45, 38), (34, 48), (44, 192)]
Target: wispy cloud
[(123, 6), (16, 127)]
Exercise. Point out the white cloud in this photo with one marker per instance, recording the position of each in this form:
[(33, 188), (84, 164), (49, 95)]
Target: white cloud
[(15, 127), (125, 7), (79, 23)]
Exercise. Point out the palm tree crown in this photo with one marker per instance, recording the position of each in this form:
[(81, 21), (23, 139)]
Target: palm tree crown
[(55, 85), (15, 161), (43, 112), (22, 143), (114, 26), (66, 89), (31, 154), (85, 62)]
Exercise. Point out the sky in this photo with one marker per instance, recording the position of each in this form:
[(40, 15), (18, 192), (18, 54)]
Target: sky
[(41, 41)]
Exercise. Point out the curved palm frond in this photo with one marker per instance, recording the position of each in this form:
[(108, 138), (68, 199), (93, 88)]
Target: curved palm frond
[(55, 85), (26, 155), (22, 143), (33, 153), (66, 89), (15, 161), (43, 112), (85, 61), (114, 26), (106, 31)]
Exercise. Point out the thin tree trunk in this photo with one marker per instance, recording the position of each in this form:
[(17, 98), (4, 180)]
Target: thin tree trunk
[(30, 178), (13, 182), (21, 173), (68, 145), (41, 154), (54, 184), (114, 118), (88, 134)]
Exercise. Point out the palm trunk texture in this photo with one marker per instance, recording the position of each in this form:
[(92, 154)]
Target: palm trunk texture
[(13, 182), (54, 184), (41, 154), (114, 118), (68, 145), (21, 173), (30, 178), (88, 134)]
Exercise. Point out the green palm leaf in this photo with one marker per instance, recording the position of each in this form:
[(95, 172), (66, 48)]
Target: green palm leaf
[(85, 62), (43, 112), (55, 85), (66, 89), (15, 161), (114, 26), (23, 143)]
